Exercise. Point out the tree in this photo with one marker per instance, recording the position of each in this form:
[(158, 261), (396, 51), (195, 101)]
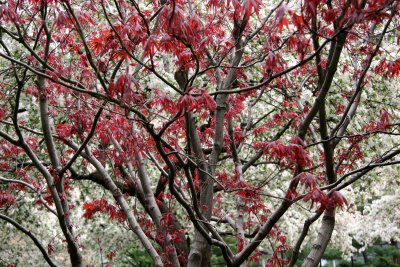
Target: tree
[(218, 117)]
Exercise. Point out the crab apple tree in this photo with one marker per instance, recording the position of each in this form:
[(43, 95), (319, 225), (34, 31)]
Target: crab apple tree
[(201, 122)]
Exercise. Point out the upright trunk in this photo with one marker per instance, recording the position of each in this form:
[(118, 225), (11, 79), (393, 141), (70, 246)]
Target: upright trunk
[(323, 238), (153, 208), (58, 182), (124, 206), (149, 200), (200, 251)]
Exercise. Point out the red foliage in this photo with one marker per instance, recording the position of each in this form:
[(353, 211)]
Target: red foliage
[(256, 85), (64, 131), (288, 155), (317, 196), (102, 205), (110, 255), (50, 248), (6, 199), (187, 102), (336, 198), (307, 179)]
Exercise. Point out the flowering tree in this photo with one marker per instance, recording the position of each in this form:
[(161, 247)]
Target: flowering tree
[(200, 118)]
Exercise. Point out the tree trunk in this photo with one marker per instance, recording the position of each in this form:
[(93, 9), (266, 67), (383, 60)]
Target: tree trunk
[(323, 238)]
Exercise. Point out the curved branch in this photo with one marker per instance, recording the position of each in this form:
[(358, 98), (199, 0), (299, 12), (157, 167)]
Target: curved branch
[(31, 188), (119, 198), (304, 232), (28, 233), (85, 142)]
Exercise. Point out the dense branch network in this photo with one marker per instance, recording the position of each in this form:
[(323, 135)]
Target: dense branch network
[(218, 117)]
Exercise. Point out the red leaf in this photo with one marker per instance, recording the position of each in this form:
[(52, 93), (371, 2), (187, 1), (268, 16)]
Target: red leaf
[(318, 196), (6, 199), (384, 120), (306, 178), (111, 254), (311, 7), (95, 206), (291, 194), (178, 236), (3, 113), (283, 22), (280, 12), (207, 101), (64, 131), (240, 244), (186, 102), (298, 21), (50, 248), (337, 198), (329, 15)]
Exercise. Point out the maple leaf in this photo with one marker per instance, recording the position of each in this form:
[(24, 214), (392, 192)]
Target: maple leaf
[(122, 57), (151, 45), (178, 236), (96, 43), (111, 254), (187, 102), (240, 243), (306, 178), (283, 22), (6, 199), (50, 248), (280, 19), (316, 195), (384, 120), (311, 7), (3, 112), (207, 101), (248, 6), (337, 198), (104, 138), (280, 11), (291, 194), (97, 205), (297, 20), (329, 15), (64, 131)]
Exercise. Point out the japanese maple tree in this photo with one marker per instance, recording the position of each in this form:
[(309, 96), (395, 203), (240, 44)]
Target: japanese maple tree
[(200, 119)]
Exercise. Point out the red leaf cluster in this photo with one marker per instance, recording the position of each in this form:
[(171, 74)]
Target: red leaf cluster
[(315, 195), (6, 199), (64, 131), (288, 155), (188, 102), (101, 205), (111, 254), (336, 198), (50, 248)]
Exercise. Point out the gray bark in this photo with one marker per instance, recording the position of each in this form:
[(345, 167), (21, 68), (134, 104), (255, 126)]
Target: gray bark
[(323, 238)]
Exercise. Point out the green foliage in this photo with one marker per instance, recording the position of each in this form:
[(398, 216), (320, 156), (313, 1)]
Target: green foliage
[(136, 257), (343, 263), (332, 254), (384, 256), (385, 251), (377, 256), (217, 259)]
